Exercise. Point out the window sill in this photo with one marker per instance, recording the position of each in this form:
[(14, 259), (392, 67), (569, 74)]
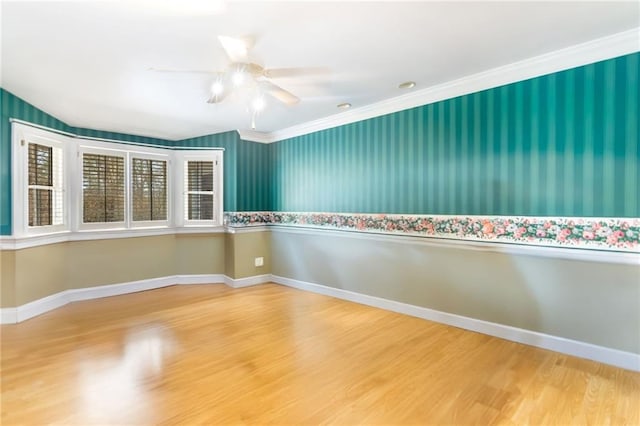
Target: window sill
[(10, 242)]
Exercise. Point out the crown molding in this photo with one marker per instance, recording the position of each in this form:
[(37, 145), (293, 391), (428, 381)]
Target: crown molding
[(253, 136), (592, 51)]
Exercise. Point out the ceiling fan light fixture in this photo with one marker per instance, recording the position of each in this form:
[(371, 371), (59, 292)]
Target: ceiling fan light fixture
[(217, 87), (258, 103), (249, 81), (238, 78), (344, 105), (239, 75), (407, 85)]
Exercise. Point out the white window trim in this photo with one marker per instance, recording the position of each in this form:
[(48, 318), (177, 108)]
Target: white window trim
[(180, 194), (22, 136), (73, 229)]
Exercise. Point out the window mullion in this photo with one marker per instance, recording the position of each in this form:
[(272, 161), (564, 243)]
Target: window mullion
[(50, 182), (104, 190), (151, 189), (128, 193)]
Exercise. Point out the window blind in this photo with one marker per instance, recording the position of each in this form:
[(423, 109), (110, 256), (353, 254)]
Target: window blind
[(199, 190), (40, 184), (44, 185), (149, 189), (103, 188)]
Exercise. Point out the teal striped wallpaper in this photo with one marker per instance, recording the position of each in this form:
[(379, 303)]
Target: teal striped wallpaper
[(119, 136), (254, 168), (564, 144), (245, 187)]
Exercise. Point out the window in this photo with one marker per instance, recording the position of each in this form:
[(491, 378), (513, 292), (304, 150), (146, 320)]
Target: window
[(45, 185), (199, 187), (103, 188), (39, 181), (148, 189), (61, 182), (201, 197)]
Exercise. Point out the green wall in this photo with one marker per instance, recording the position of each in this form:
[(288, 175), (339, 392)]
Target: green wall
[(254, 191), (245, 187), (564, 144), (119, 136)]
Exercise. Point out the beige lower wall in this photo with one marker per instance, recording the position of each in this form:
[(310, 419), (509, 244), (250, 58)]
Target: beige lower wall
[(200, 254), (42, 271), (7, 279), (100, 262), (33, 273), (229, 259), (243, 249), (592, 302)]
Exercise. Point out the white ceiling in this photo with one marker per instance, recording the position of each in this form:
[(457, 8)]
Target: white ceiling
[(87, 62)]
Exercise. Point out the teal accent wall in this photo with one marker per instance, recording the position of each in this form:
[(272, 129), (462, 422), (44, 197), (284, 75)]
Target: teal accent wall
[(123, 137), (246, 167), (564, 144), (254, 189)]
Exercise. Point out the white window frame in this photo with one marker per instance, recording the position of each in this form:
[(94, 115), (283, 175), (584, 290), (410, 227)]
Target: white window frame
[(73, 148), (182, 157), (22, 136)]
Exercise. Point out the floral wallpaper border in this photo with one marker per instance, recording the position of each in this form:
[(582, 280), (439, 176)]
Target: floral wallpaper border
[(618, 234)]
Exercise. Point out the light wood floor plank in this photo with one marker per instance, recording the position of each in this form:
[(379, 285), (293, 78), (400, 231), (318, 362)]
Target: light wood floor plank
[(268, 354)]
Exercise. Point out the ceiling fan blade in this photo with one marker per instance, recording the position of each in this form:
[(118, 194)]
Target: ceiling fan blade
[(295, 72), (237, 48), (179, 71), (279, 93)]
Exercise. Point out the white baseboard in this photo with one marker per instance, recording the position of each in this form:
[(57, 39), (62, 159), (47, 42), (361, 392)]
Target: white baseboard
[(627, 360), (49, 303), (201, 278), (76, 295), (40, 306), (8, 316), (246, 282)]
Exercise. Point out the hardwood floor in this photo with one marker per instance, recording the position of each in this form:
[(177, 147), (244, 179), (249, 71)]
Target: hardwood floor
[(210, 354)]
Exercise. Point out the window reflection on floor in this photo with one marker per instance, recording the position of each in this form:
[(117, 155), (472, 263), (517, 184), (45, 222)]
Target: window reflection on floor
[(114, 388)]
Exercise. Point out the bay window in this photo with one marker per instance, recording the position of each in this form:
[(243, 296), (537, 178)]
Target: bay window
[(62, 183)]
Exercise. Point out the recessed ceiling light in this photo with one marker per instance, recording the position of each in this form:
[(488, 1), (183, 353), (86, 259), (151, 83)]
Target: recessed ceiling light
[(344, 105), (407, 85)]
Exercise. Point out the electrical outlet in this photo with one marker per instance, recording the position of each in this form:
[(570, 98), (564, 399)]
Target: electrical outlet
[(259, 261)]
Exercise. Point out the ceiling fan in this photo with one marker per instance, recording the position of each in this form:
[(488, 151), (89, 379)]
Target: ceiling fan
[(243, 75)]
